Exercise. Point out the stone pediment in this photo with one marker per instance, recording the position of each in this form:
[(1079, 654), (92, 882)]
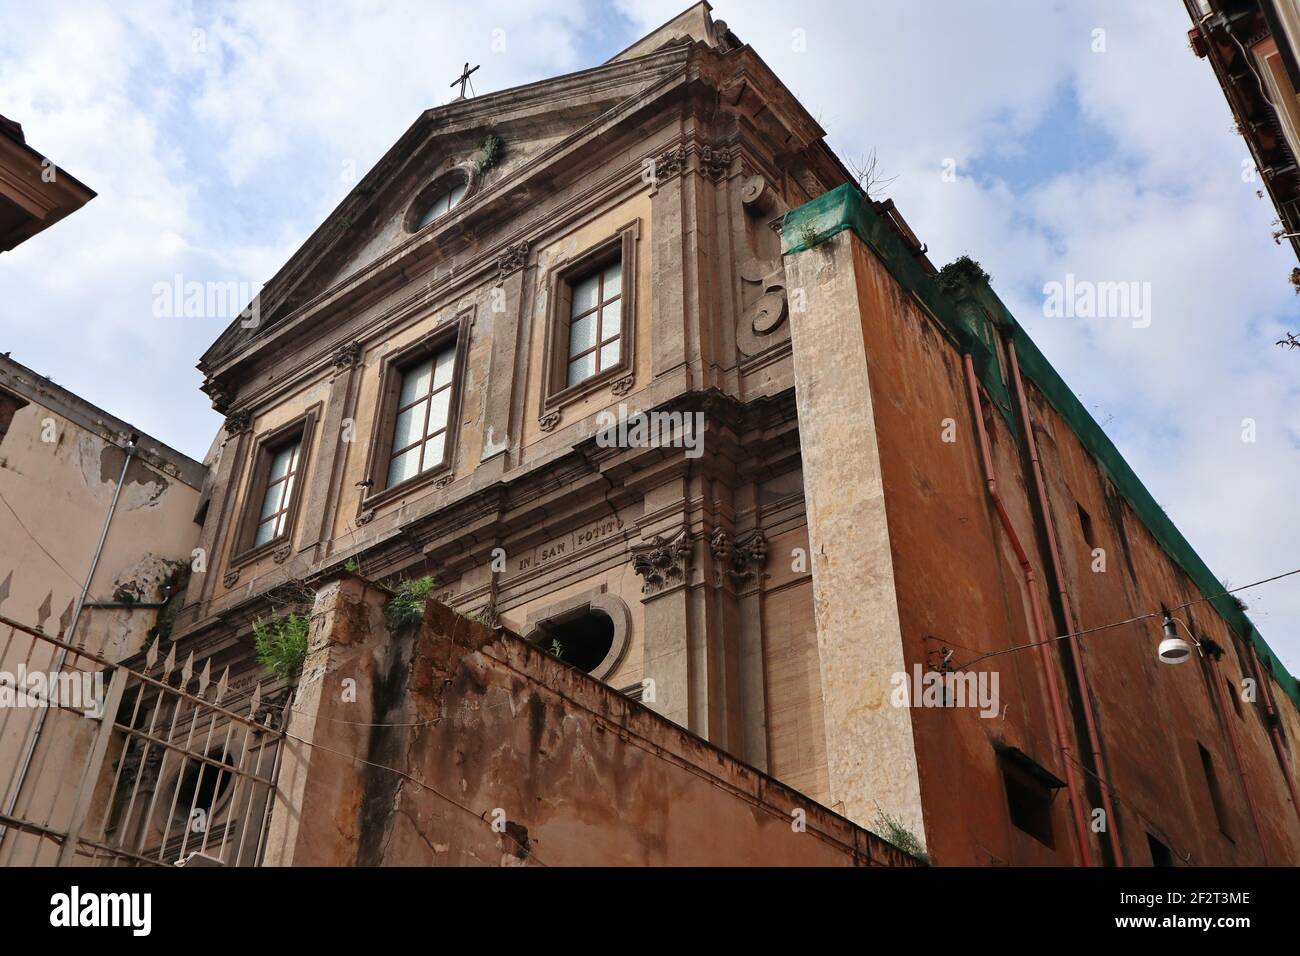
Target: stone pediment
[(536, 127)]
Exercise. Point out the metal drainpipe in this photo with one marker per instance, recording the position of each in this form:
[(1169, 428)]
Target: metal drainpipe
[(34, 738), (1224, 712), (1053, 550), (1040, 629), (1280, 748)]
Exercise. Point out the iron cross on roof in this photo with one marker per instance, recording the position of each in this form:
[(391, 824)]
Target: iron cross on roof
[(463, 79)]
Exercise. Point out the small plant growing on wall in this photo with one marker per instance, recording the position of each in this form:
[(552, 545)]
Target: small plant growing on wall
[(491, 149), (406, 606), (486, 615), (950, 276), (892, 831), (281, 643)]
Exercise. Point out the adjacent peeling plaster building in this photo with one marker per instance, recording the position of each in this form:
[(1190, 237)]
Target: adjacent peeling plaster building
[(97, 530), (864, 469)]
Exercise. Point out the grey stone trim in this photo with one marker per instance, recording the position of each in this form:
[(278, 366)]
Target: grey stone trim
[(595, 599)]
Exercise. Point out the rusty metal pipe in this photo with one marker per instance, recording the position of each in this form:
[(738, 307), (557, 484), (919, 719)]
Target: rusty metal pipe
[(1061, 732), (1054, 553)]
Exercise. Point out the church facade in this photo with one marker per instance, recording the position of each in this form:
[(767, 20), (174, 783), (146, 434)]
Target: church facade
[(626, 362)]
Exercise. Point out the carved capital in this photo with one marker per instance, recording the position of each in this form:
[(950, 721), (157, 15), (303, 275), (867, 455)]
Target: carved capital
[(146, 765), (670, 162), (549, 421), (720, 544), (662, 562), (281, 554), (238, 421), (347, 355), (623, 385), (715, 162), (742, 561), (512, 258)]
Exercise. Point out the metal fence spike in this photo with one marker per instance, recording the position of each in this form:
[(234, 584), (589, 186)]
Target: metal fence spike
[(170, 663), (43, 612)]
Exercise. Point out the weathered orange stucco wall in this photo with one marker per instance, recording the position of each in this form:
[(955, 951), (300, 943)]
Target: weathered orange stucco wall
[(960, 588), (476, 727)]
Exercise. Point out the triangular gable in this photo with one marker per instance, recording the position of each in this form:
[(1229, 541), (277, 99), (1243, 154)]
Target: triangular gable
[(534, 121)]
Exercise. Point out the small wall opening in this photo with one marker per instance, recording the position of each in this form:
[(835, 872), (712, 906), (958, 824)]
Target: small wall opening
[(1085, 524), (1160, 855), (204, 782), (582, 641), (1029, 791), (1216, 794)]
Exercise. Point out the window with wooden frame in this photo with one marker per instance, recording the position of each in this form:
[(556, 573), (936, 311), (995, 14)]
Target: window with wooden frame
[(275, 488), (591, 320), (419, 403)]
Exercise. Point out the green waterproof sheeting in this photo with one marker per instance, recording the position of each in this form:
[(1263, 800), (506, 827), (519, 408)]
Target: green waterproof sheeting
[(845, 208)]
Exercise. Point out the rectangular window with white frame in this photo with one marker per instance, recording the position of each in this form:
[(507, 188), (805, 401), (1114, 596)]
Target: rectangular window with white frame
[(415, 431), (275, 488), (591, 319)]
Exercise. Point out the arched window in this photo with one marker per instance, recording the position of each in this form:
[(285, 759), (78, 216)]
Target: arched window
[(583, 641), (589, 631), (203, 785), (444, 197)]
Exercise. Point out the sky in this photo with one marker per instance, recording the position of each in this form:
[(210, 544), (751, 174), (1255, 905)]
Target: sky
[(1066, 142)]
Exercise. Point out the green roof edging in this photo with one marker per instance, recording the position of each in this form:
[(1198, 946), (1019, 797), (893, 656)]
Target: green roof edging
[(845, 208)]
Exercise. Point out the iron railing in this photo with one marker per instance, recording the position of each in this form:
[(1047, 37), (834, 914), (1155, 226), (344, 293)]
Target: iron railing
[(148, 765)]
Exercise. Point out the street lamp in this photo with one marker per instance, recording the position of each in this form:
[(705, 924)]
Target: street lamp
[(1173, 649)]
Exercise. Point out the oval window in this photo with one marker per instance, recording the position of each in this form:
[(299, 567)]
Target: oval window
[(443, 201)]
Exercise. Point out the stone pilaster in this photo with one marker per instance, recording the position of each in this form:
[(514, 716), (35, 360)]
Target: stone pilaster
[(325, 478), (664, 564), (870, 750), (218, 518), (502, 319), (335, 697)]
